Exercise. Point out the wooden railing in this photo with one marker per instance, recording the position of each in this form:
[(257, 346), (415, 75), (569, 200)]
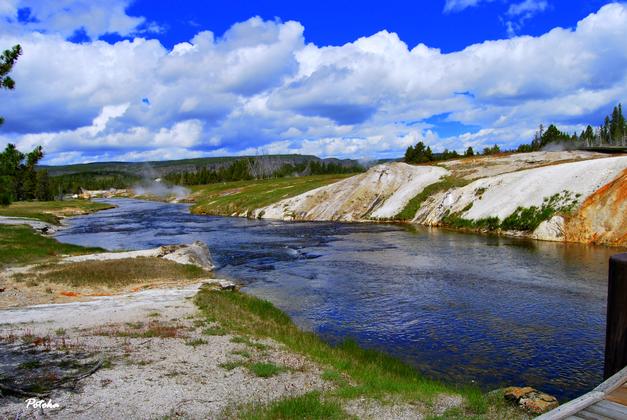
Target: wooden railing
[(616, 332)]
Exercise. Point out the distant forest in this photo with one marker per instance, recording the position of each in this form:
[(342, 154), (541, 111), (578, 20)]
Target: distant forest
[(258, 168), (248, 168), (613, 132)]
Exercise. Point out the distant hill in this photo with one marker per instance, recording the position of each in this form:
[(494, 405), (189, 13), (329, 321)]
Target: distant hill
[(164, 167)]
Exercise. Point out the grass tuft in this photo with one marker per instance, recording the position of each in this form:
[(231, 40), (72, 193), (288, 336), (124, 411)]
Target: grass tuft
[(196, 342), (214, 331), (307, 406), (265, 369)]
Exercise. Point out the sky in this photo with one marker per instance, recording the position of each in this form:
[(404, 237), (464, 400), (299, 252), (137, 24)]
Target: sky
[(127, 80)]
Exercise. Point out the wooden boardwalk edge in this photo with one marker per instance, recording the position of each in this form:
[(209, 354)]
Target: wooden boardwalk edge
[(599, 393)]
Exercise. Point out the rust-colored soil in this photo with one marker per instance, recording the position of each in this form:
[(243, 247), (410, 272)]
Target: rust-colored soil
[(602, 218)]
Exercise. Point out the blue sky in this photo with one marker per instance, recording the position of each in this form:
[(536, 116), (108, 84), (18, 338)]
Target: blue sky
[(329, 22), (137, 80)]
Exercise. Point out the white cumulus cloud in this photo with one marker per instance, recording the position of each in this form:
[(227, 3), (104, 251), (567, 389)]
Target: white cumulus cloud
[(260, 87)]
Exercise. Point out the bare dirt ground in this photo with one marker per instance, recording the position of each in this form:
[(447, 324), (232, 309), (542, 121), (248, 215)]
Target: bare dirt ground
[(156, 358), (160, 361)]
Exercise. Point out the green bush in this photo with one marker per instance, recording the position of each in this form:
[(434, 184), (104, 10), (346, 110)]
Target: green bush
[(529, 218)]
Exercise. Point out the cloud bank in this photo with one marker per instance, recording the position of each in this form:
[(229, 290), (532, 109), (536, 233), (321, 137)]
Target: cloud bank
[(261, 88)]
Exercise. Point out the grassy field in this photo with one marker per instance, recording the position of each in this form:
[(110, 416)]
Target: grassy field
[(51, 211), (356, 372), (22, 245), (117, 273), (241, 196)]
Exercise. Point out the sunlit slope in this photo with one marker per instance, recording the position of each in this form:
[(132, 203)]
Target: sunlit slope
[(241, 198), (546, 195)]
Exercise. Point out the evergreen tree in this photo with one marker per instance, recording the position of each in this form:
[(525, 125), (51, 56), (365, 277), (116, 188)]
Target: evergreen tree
[(420, 154), (469, 152), (616, 129), (605, 131), (409, 154), (18, 175), (43, 191), (7, 61), (492, 150)]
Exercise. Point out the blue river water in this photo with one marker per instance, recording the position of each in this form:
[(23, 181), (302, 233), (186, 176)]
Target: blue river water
[(461, 308)]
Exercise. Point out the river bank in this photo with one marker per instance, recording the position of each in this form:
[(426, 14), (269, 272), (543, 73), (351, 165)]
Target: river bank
[(166, 356), (140, 225), (566, 196), (150, 352)]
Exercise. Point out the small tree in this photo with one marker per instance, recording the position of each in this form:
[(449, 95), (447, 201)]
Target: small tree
[(469, 152), (7, 61), (492, 150)]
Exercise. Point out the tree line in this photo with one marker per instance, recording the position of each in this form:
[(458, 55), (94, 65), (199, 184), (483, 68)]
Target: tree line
[(256, 168), (73, 183), (420, 153), (613, 132)]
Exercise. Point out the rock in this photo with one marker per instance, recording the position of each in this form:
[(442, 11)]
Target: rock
[(514, 393), (197, 254), (219, 284), (538, 402), (531, 399), (550, 230)]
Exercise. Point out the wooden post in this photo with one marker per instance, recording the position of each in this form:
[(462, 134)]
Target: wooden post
[(616, 332)]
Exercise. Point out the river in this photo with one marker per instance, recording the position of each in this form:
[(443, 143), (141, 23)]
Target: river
[(462, 308)]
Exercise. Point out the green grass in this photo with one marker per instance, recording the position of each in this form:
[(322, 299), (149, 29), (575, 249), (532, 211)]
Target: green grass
[(444, 184), (51, 211), (117, 273), (307, 406), (265, 369), (529, 218), (243, 353), (196, 342), (21, 245), (231, 365), (454, 220), (242, 196), (372, 374), (214, 331)]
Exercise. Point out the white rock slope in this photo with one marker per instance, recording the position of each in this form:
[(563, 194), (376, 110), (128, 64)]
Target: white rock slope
[(380, 193), (499, 196), (498, 185)]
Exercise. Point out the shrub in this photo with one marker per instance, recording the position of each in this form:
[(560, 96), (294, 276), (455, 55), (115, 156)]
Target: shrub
[(529, 218)]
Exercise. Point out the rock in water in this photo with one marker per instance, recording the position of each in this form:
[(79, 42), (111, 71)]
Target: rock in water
[(531, 399), (197, 254), (219, 284)]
